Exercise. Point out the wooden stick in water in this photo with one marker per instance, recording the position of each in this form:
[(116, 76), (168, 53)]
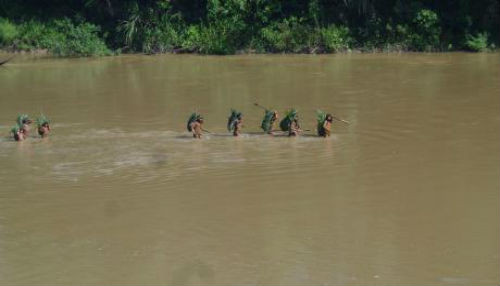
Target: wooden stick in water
[(301, 130), (6, 61)]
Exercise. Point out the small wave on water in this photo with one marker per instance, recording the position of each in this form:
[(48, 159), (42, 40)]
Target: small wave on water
[(161, 154)]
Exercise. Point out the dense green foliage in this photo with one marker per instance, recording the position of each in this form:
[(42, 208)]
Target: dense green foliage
[(478, 43), (94, 27), (60, 37)]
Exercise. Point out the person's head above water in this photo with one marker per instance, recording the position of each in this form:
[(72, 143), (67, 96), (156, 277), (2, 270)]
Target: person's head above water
[(23, 119), (329, 117)]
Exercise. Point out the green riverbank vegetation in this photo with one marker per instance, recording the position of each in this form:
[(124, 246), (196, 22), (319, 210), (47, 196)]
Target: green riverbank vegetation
[(106, 27)]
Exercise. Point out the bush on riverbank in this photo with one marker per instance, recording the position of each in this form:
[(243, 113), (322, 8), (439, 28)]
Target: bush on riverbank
[(59, 37), (8, 32), (93, 27), (478, 43), (294, 36)]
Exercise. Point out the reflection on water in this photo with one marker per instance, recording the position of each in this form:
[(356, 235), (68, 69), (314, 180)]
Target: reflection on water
[(408, 193)]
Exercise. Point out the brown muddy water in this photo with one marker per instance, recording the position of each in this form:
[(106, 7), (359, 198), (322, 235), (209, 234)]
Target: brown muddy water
[(407, 194)]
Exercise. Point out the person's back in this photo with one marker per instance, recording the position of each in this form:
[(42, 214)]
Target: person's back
[(238, 126), (294, 128), (326, 126), (196, 129), (290, 123), (194, 125)]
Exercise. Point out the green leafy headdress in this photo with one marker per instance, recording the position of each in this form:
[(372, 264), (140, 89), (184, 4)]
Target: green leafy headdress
[(15, 129), (290, 116), (22, 119), (194, 116), (42, 120), (320, 117), (233, 119), (267, 122)]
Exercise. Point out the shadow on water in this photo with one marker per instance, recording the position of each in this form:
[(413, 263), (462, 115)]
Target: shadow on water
[(196, 272)]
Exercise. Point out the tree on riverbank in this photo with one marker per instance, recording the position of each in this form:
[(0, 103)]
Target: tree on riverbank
[(97, 27)]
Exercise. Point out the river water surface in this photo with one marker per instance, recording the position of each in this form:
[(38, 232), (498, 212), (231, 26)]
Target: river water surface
[(408, 193)]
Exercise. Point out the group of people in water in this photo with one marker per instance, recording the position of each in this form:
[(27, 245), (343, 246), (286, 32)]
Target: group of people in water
[(22, 128), (289, 123)]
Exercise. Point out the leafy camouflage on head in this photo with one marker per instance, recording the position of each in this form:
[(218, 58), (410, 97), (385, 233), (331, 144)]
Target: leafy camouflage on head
[(15, 129), (22, 119), (233, 119), (320, 117), (267, 122), (286, 122), (195, 116), (42, 120)]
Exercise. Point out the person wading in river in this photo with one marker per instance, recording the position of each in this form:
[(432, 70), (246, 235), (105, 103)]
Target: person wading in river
[(294, 127), (194, 125), (270, 117), (43, 124), (18, 133), (324, 123), (235, 122), (23, 121), (291, 123)]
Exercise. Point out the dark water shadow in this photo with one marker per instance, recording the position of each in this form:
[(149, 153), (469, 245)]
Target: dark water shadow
[(196, 269)]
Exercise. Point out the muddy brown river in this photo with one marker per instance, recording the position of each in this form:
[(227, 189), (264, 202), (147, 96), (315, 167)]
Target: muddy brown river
[(408, 193)]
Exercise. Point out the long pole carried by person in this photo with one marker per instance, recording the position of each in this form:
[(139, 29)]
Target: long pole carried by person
[(342, 120), (258, 105)]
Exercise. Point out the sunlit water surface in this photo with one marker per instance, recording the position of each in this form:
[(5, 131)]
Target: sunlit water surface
[(407, 194)]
